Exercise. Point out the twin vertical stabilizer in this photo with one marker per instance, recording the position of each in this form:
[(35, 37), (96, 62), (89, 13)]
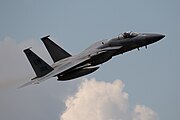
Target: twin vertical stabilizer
[(40, 67), (57, 53)]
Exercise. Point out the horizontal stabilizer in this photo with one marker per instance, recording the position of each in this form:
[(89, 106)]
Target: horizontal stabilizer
[(40, 67), (57, 53)]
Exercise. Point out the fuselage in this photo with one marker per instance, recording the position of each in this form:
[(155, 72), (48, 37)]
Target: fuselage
[(103, 51)]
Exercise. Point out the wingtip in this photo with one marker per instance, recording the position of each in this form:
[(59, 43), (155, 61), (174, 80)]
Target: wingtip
[(26, 84), (20, 87)]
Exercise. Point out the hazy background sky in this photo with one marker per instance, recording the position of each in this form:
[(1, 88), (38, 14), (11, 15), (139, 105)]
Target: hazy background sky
[(151, 76)]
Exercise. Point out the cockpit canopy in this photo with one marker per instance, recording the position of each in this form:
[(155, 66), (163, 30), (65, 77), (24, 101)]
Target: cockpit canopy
[(127, 35)]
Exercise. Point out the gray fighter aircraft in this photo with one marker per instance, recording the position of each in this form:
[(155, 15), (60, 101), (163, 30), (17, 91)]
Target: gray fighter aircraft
[(67, 67)]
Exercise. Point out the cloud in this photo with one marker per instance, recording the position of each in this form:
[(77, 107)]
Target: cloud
[(97, 100), (14, 67), (142, 112)]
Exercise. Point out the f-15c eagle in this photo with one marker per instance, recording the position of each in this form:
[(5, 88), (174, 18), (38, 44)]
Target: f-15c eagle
[(66, 66)]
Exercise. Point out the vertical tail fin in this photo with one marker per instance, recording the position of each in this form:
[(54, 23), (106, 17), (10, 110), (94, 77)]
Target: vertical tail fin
[(57, 53), (40, 67)]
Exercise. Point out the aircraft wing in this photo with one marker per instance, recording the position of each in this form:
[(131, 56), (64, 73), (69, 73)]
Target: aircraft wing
[(68, 64), (60, 69)]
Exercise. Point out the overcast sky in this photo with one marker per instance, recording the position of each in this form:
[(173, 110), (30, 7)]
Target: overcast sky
[(138, 85)]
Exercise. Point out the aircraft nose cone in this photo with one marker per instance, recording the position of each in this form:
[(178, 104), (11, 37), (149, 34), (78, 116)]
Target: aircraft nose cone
[(159, 36), (154, 37)]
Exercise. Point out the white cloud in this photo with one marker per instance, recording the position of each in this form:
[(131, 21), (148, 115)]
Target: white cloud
[(97, 100), (142, 112)]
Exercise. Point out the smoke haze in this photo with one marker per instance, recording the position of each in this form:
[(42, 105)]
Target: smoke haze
[(14, 67)]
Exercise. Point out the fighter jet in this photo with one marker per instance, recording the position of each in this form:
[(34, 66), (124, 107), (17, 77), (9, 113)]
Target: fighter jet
[(67, 67)]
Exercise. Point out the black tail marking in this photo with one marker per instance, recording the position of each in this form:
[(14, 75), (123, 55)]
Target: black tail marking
[(40, 67), (57, 53)]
